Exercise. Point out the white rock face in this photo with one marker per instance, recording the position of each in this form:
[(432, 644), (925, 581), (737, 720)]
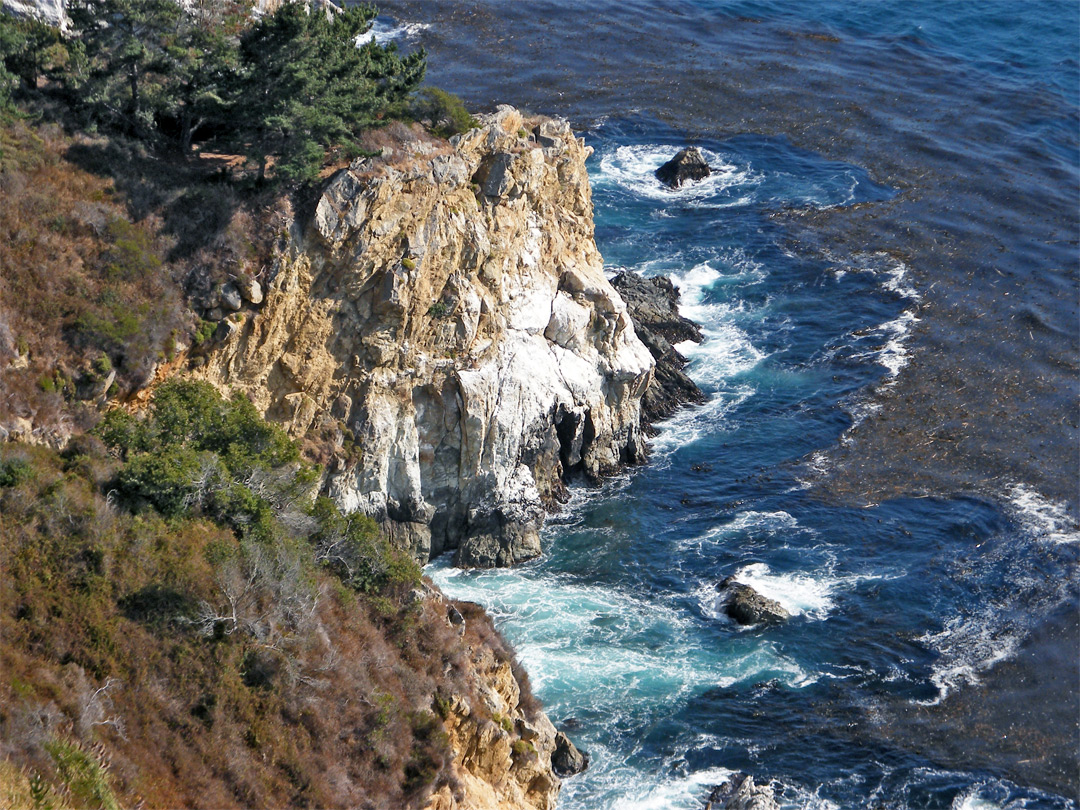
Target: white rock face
[(50, 11), (462, 349)]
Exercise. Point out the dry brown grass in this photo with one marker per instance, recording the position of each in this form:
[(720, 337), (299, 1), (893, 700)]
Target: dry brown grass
[(336, 712)]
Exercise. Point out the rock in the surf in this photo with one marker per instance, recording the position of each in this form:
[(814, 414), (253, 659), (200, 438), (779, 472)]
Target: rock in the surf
[(653, 306), (567, 759), (688, 164), (740, 793), (746, 606)]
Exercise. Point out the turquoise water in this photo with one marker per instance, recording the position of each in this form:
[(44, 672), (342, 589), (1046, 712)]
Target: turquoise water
[(897, 604), (895, 198)]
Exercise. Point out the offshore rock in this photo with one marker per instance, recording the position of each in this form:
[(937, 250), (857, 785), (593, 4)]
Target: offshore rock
[(746, 606), (442, 329), (567, 759), (653, 304), (688, 164), (740, 793)]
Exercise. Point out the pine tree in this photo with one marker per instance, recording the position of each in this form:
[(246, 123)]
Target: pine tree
[(125, 60), (308, 85)]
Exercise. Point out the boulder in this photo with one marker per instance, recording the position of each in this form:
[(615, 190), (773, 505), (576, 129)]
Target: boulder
[(230, 297), (567, 759), (493, 175), (225, 330), (746, 606), (687, 165), (740, 793), (653, 307), (250, 289)]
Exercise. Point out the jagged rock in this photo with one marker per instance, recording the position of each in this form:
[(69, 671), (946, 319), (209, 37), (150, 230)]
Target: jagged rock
[(567, 759), (740, 793), (505, 765), (653, 305), (93, 386), (688, 164), (453, 615), (230, 297), (493, 176), (476, 375), (746, 606)]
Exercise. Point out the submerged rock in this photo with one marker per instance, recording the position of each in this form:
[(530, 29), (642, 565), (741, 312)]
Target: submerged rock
[(653, 305), (746, 606), (740, 793), (688, 164), (567, 759)]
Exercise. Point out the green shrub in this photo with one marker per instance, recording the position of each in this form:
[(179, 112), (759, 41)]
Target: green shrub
[(167, 479), (408, 263), (15, 471), (103, 365), (446, 112), (438, 310), (350, 546), (203, 332), (82, 774)]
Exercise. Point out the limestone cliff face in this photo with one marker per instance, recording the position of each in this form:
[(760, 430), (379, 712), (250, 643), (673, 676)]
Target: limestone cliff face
[(444, 318)]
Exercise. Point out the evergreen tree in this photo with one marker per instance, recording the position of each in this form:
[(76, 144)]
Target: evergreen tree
[(308, 85), (28, 49), (204, 64), (125, 59)]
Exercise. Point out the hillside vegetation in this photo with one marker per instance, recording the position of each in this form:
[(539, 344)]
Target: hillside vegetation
[(183, 621), (183, 624)]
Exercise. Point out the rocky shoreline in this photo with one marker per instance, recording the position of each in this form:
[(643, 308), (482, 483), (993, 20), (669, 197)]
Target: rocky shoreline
[(444, 327)]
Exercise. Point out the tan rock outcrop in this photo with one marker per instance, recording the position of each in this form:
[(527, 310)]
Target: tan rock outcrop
[(502, 756), (444, 318)]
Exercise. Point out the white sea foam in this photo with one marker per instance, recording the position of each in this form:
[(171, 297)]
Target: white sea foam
[(798, 593), (973, 642), (1044, 520), (677, 791), (809, 595), (969, 646), (892, 273), (383, 32), (633, 167), (689, 424), (893, 354), (609, 648), (758, 522)]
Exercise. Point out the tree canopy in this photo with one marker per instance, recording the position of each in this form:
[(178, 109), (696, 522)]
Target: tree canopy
[(283, 88)]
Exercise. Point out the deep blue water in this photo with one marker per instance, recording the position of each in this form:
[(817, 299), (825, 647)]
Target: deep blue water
[(895, 189)]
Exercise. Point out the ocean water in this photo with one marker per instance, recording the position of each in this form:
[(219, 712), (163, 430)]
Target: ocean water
[(884, 265)]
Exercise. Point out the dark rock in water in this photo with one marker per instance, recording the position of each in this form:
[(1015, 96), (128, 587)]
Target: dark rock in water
[(653, 306), (687, 165), (740, 793), (567, 759), (747, 606)]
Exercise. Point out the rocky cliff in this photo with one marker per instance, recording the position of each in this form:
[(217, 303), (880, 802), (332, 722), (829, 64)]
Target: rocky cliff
[(502, 747), (441, 320)]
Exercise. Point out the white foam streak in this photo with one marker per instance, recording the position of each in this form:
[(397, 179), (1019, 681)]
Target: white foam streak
[(893, 355), (969, 646), (1044, 520)]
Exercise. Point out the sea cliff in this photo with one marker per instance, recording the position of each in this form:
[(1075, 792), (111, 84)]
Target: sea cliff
[(442, 322)]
